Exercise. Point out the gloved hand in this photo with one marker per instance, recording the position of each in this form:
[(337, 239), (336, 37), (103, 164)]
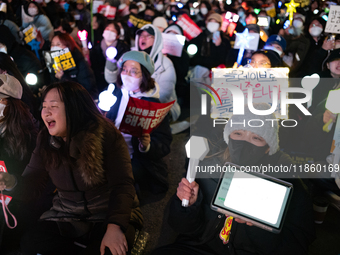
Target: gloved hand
[(111, 65)]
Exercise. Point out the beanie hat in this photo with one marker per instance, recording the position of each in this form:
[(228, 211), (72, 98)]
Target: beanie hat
[(216, 17), (269, 130), (335, 54), (160, 22), (139, 56), (278, 40), (10, 87), (175, 28), (274, 58)]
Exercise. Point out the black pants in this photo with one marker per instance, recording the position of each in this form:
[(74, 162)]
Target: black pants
[(45, 238)]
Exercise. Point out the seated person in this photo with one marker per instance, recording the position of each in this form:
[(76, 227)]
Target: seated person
[(147, 151), (200, 227)]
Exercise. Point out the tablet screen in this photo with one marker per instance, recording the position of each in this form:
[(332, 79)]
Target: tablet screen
[(253, 197)]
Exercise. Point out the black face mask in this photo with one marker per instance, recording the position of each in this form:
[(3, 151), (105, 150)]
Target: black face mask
[(244, 153), (148, 17)]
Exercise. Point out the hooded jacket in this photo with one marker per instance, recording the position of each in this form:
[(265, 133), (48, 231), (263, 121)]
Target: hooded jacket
[(165, 74), (43, 24)]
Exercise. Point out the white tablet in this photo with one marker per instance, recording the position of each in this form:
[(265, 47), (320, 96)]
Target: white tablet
[(253, 197)]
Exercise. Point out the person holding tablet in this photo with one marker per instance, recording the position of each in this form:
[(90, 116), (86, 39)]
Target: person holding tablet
[(203, 231)]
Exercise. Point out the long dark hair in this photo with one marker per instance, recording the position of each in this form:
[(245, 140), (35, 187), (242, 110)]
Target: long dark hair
[(8, 65), (19, 128), (148, 82), (81, 114)]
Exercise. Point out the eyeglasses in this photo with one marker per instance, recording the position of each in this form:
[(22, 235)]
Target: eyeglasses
[(259, 63), (132, 72), (148, 37)]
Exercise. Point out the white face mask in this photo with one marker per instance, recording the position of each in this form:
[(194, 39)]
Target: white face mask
[(131, 83), (55, 48), (109, 36), (204, 11), (122, 33), (3, 49), (269, 47), (297, 23), (159, 7), (168, 13), (32, 11), (213, 26), (315, 31), (2, 108)]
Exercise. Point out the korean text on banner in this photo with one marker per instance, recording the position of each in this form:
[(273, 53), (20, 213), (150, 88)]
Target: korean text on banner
[(108, 11), (142, 116), (136, 22), (62, 59), (190, 29), (260, 80), (333, 22), (29, 33), (96, 4)]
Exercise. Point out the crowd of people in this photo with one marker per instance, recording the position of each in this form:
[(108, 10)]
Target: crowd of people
[(75, 179)]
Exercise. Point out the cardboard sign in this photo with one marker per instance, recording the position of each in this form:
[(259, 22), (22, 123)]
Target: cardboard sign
[(142, 116), (173, 44), (251, 45), (108, 11), (190, 29), (4, 169), (61, 59), (29, 33), (260, 80), (333, 22), (136, 22), (96, 4)]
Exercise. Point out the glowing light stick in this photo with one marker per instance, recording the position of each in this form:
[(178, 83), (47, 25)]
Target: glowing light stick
[(332, 104), (31, 79), (197, 148), (82, 35), (291, 8), (309, 83), (192, 49), (107, 99), (243, 42), (35, 47), (111, 53)]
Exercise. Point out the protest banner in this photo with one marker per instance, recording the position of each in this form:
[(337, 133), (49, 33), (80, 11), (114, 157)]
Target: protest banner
[(108, 11), (190, 29), (333, 22), (61, 59), (261, 80), (137, 22), (173, 44), (142, 116), (95, 5), (29, 33)]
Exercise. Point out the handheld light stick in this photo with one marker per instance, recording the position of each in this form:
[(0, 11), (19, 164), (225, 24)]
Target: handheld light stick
[(31, 79), (197, 148), (35, 47), (82, 35), (192, 49), (243, 42), (309, 83), (291, 8), (111, 53), (332, 104), (107, 99)]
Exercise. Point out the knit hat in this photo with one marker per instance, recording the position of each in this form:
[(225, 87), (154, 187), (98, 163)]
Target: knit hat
[(139, 56), (216, 17), (269, 130), (335, 54), (160, 22), (10, 87), (278, 40), (300, 16), (274, 58)]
